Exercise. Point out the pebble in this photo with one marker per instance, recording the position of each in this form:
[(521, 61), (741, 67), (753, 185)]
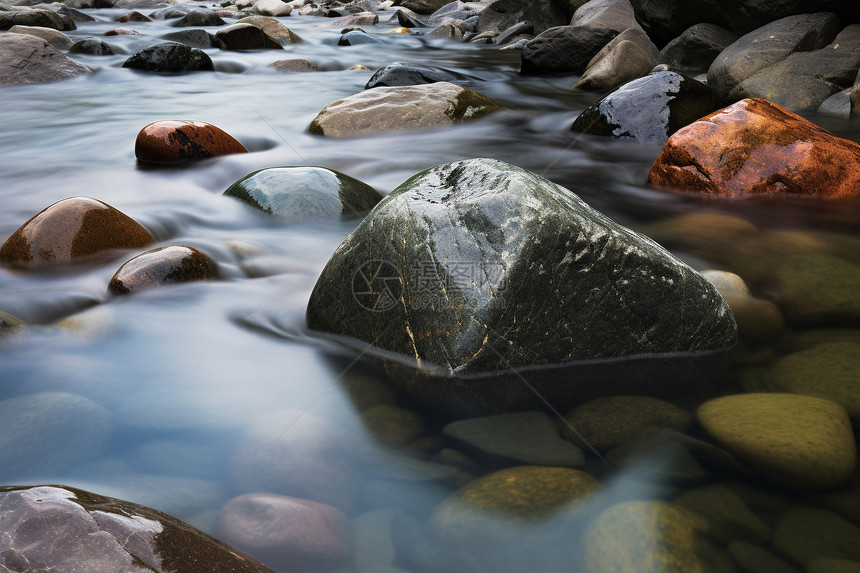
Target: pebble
[(70, 231), (728, 516), (729, 284), (798, 442), (159, 267), (294, 65), (805, 534), (527, 437), (172, 141)]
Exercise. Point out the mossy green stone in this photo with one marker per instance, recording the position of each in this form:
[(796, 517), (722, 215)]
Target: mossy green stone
[(805, 534), (830, 371), (799, 442), (832, 565), (729, 517), (818, 289), (646, 537), (755, 559), (298, 193)]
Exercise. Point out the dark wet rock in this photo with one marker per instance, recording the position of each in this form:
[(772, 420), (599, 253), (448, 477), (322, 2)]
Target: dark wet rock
[(171, 141), (606, 14), (529, 438), (171, 12), (379, 110), (478, 512), (71, 230), (199, 18), (803, 80), (728, 516), (50, 35), (830, 371), (402, 74), (611, 422), (194, 38), (425, 7), (543, 14), (294, 65), (757, 559), (833, 565), (272, 28), (667, 19), (767, 46), (26, 59), (521, 32), (287, 533), (565, 49), (356, 38), (757, 147), (453, 11), (817, 289), (672, 100), (646, 536), (91, 46), (451, 31), (299, 193), (134, 16), (39, 18), (170, 57), (355, 20), (855, 97), (478, 283), (9, 323), (696, 49), (246, 37), (160, 267), (839, 104), (49, 431), (91, 532), (805, 534), (272, 8), (409, 19), (122, 32), (75, 15), (630, 55), (758, 320), (797, 442)]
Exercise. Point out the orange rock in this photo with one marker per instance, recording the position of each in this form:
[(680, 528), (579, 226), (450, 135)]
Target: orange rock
[(69, 230), (176, 140), (161, 266), (756, 147)]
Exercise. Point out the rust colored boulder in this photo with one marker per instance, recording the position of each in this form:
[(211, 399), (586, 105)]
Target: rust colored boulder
[(172, 141), (159, 267), (71, 230), (756, 147)]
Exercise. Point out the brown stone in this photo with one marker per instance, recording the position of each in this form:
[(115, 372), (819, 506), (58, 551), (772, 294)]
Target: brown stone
[(177, 140), (134, 16), (246, 37), (755, 147), (161, 266), (288, 533), (70, 230), (122, 32)]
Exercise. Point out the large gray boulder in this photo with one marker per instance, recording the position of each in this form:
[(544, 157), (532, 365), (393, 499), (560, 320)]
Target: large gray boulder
[(565, 49), (26, 59), (59, 528), (612, 14), (478, 271), (697, 48), (502, 14)]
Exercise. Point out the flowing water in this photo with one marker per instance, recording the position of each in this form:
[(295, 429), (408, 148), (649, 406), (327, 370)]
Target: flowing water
[(185, 372)]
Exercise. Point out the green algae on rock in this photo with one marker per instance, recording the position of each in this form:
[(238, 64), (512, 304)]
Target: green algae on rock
[(161, 266), (477, 268), (298, 193), (91, 532), (69, 231)]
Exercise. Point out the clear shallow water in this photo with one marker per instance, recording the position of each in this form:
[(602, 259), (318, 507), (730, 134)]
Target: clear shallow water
[(184, 373)]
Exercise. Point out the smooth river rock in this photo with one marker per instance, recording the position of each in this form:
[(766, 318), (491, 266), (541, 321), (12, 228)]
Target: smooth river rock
[(405, 74), (171, 141), (379, 110), (648, 109), (628, 56), (696, 49), (59, 528), (69, 231), (564, 49), (756, 147), (272, 28), (817, 289), (170, 57), (246, 36), (798, 442), (160, 267), (297, 193), (36, 17), (26, 59), (50, 35), (475, 268)]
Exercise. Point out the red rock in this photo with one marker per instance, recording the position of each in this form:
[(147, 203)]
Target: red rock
[(70, 230), (287, 533), (161, 266), (756, 147), (176, 140), (122, 32)]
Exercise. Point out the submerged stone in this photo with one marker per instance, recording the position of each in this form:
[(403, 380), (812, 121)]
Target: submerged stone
[(159, 267), (649, 109), (70, 230), (171, 141), (476, 268), (756, 147), (91, 532), (297, 193)]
